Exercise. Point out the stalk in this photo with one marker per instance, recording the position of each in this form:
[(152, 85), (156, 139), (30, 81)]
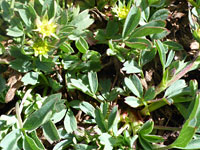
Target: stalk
[(160, 88)]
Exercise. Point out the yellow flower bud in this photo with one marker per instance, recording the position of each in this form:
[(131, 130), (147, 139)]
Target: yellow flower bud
[(40, 47)]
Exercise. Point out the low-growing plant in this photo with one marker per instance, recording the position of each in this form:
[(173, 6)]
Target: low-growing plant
[(54, 57)]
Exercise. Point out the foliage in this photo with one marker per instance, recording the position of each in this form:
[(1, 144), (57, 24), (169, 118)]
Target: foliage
[(57, 55)]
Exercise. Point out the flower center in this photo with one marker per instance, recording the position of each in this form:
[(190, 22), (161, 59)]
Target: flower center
[(40, 47)]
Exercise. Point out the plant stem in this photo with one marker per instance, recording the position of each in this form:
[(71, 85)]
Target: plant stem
[(25, 97), (160, 88), (18, 115), (193, 3)]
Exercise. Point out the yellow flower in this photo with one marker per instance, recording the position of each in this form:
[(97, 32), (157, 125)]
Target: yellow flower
[(122, 12), (46, 27), (41, 48)]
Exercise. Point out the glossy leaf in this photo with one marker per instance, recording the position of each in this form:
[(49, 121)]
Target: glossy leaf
[(82, 20), (134, 85), (50, 132), (173, 45), (81, 45), (70, 123), (138, 43), (175, 88), (170, 58), (21, 65), (36, 139), (131, 22), (146, 128), (2, 83), (189, 128), (100, 120), (42, 115), (63, 144), (147, 56), (87, 108), (147, 30), (15, 32), (112, 117), (131, 67), (162, 52), (161, 14), (29, 143), (30, 78), (9, 142), (133, 101), (93, 81), (150, 94)]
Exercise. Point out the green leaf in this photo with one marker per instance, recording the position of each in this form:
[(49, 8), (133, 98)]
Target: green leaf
[(56, 86), (7, 11), (139, 43), (58, 116), (104, 108), (82, 21), (161, 14), (161, 35), (42, 115), (112, 117), (147, 56), (30, 78), (93, 81), (170, 58), (70, 123), (2, 48), (87, 108), (194, 144), (21, 65), (131, 22), (81, 45), (147, 30), (107, 140), (65, 47), (50, 6), (133, 101), (153, 1), (80, 85), (46, 66), (85, 147), (134, 85), (50, 132), (36, 139), (146, 128), (112, 28), (131, 67), (175, 88), (38, 6), (100, 120), (63, 144), (28, 15), (173, 45), (9, 142), (153, 138), (14, 31), (162, 52), (29, 143), (150, 94), (189, 128), (146, 145), (2, 84)]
